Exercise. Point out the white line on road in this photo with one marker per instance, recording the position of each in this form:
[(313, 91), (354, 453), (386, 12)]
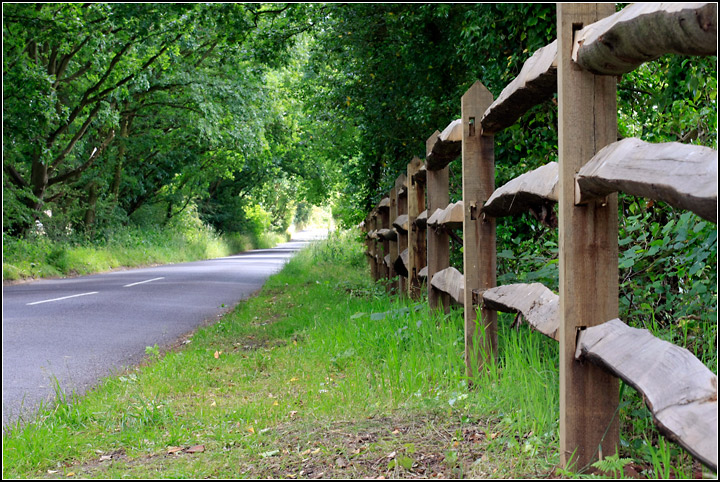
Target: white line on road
[(63, 298), (141, 282)]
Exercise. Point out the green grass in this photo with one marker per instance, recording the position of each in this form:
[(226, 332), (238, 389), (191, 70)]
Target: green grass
[(41, 257), (320, 355), (322, 374)]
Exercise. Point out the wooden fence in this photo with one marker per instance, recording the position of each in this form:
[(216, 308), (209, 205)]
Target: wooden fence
[(594, 44)]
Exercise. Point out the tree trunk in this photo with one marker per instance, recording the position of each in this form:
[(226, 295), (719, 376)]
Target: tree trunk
[(89, 220)]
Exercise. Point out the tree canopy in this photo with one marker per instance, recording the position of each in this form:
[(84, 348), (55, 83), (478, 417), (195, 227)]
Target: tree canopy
[(108, 108), (113, 109)]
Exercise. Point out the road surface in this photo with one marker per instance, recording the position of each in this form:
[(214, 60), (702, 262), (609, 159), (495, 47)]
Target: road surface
[(73, 332)]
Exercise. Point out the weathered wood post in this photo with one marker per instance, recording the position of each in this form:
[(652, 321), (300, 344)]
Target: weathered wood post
[(402, 242), (479, 259), (364, 227), (372, 244), (417, 241), (384, 223), (588, 247), (438, 240), (394, 245)]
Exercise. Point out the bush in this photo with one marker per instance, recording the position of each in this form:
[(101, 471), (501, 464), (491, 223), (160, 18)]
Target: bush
[(184, 238), (258, 220)]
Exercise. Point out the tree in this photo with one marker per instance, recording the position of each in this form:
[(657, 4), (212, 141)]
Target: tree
[(124, 104), (71, 64), (383, 78)]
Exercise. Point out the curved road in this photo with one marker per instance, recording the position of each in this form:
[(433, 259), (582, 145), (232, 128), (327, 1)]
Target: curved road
[(79, 330)]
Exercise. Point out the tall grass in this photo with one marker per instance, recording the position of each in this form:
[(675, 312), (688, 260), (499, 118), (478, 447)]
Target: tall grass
[(123, 246), (321, 341), (397, 353)]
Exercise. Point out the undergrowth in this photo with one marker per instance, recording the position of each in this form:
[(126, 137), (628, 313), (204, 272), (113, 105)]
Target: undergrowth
[(39, 256), (323, 374)]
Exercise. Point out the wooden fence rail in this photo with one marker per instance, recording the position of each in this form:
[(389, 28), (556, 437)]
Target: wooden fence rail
[(594, 44)]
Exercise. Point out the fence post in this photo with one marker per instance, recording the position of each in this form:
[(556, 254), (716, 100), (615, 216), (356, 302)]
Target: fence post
[(417, 243), (402, 238), (438, 240), (588, 247), (372, 244), (394, 245), (384, 223), (479, 259), (365, 226)]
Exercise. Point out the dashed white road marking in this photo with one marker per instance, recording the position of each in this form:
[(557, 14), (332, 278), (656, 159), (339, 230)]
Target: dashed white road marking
[(141, 282), (63, 298)]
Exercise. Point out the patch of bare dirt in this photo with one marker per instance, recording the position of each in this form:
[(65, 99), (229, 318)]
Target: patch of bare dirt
[(377, 448)]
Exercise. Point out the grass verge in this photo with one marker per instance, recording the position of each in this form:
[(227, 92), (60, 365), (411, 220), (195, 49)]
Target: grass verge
[(322, 375), (41, 257)]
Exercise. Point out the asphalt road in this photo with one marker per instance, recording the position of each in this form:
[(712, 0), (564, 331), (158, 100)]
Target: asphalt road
[(73, 332)]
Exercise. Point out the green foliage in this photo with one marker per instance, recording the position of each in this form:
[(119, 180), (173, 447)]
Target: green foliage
[(663, 458), (613, 465), (153, 351), (184, 238), (258, 219), (670, 99), (392, 75), (339, 248), (241, 116), (668, 258), (668, 264), (14, 209), (382, 78), (111, 108)]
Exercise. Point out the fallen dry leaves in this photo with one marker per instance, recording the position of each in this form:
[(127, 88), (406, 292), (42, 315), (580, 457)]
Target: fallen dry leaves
[(194, 449)]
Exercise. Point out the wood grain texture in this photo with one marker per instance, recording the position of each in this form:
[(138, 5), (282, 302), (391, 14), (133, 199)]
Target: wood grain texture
[(450, 281), (417, 238), (679, 390), (394, 284), (535, 84), (402, 235), (534, 191), (682, 175), (642, 32), (479, 252), (401, 184), (438, 241), (401, 223), (538, 305), (445, 148), (433, 219), (372, 244), (449, 218), (384, 243), (420, 175), (365, 227), (588, 246), (386, 234)]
